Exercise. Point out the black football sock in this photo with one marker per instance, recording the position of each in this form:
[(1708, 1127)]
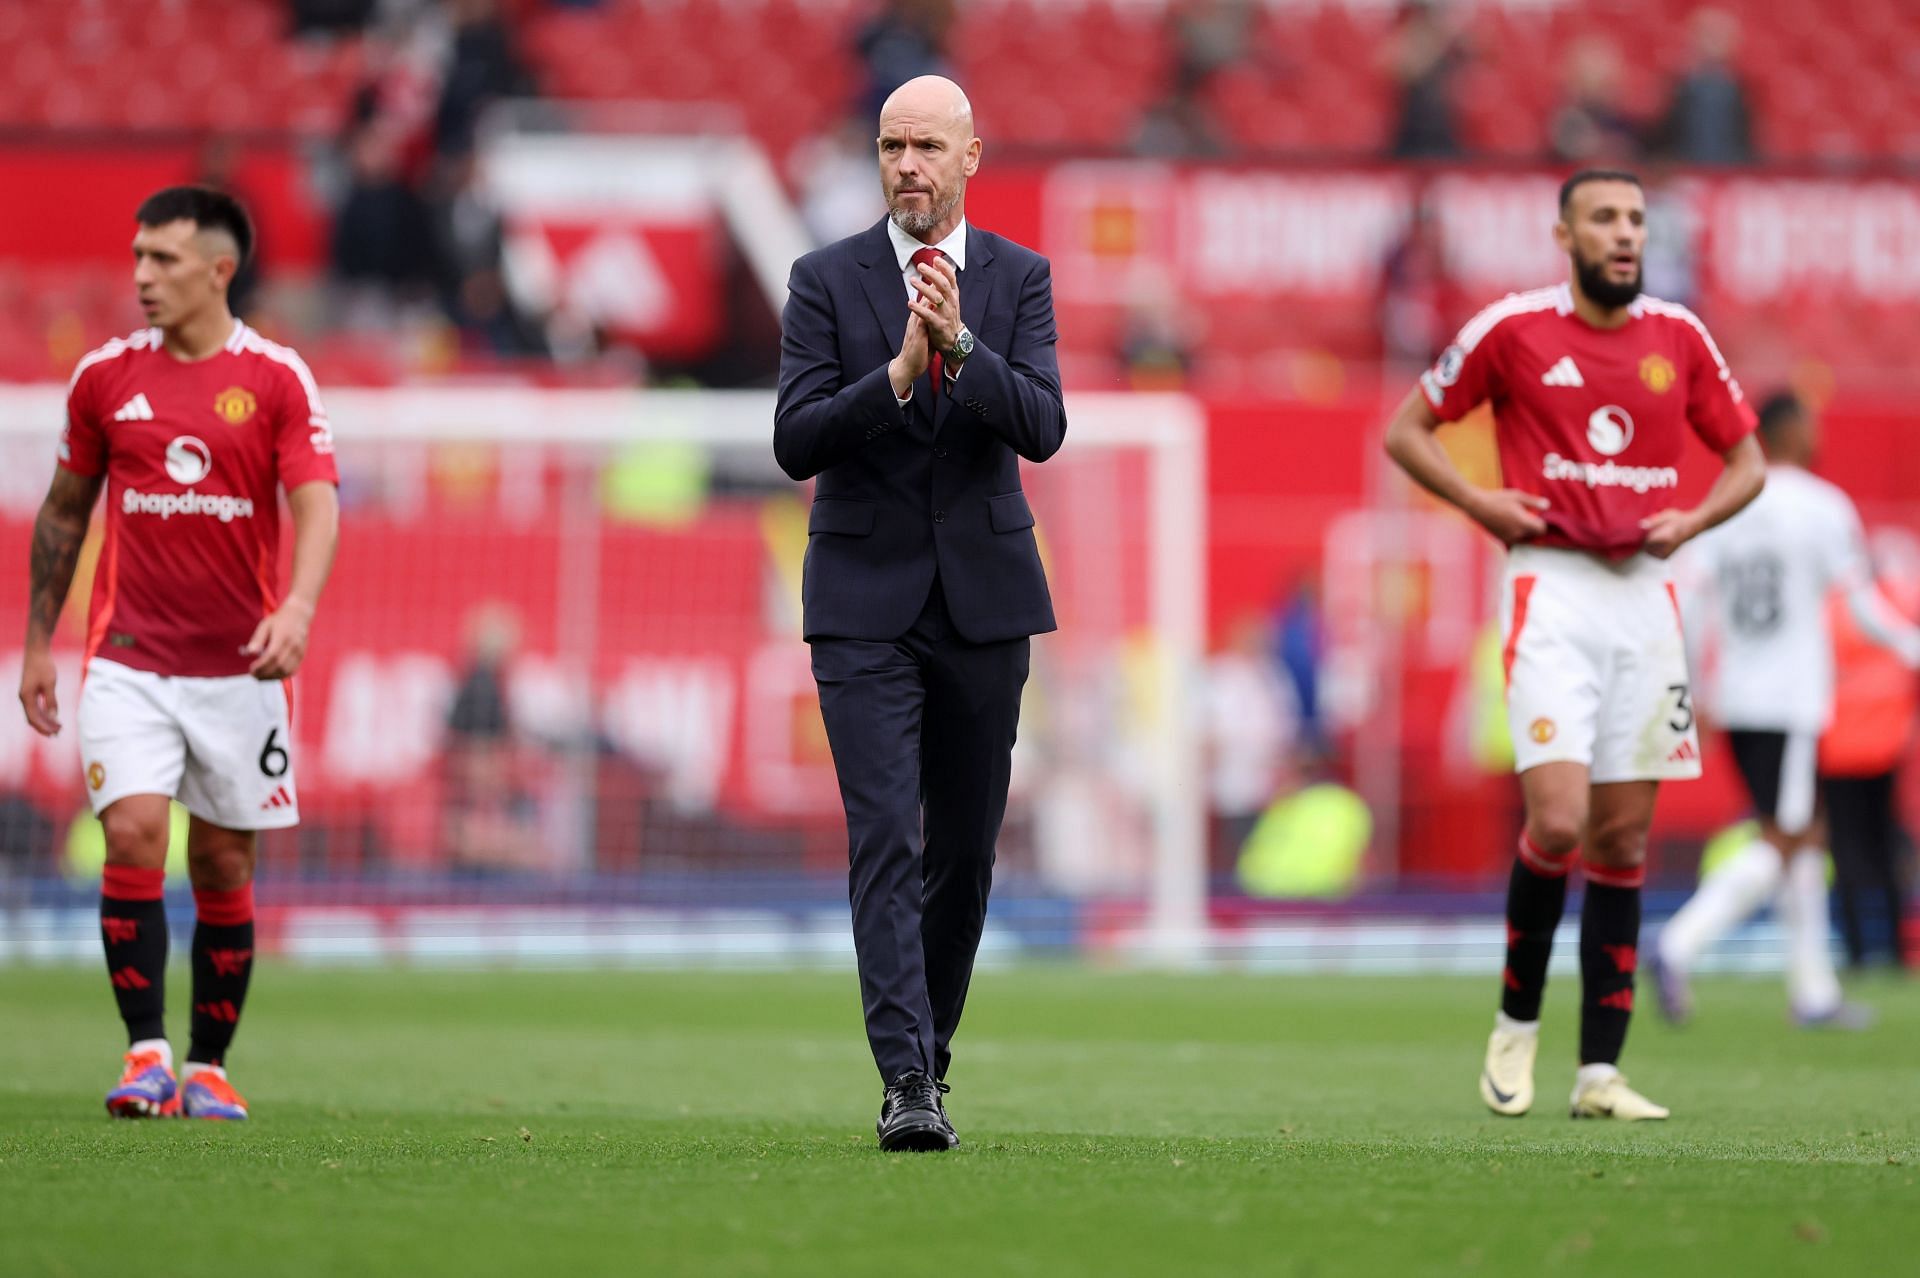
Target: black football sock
[(1536, 898), (1609, 953), (133, 930), (222, 964)]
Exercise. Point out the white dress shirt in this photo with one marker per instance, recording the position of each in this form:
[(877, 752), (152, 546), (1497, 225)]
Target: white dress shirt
[(904, 247)]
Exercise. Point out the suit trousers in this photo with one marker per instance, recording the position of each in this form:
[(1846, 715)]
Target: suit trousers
[(922, 730)]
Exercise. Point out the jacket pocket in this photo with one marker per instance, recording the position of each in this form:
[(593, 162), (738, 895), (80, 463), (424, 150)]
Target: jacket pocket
[(1009, 512), (840, 515)]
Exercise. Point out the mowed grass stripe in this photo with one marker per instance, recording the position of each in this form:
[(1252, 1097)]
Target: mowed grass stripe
[(1115, 1123)]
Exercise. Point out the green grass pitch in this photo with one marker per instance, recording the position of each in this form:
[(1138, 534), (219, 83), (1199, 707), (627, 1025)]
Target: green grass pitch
[(712, 1124)]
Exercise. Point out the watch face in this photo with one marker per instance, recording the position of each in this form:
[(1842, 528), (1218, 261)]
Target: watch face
[(963, 344)]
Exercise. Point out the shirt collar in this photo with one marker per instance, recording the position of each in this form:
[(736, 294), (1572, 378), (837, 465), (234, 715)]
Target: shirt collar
[(1563, 301), (905, 246)]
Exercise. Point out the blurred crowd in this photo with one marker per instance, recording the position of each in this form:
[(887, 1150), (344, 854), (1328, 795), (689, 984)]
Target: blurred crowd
[(414, 236), (412, 229), (1705, 120)]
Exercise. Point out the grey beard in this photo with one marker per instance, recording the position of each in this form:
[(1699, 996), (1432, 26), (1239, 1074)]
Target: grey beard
[(920, 223)]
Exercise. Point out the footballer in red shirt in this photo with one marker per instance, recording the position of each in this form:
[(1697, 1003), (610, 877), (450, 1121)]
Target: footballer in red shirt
[(193, 426), (1594, 388)]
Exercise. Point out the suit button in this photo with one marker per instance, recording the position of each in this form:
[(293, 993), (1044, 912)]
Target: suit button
[(939, 452), (939, 516)]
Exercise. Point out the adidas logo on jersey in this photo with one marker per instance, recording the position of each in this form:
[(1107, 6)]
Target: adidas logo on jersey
[(1683, 753), (136, 409), (280, 799), (1564, 373)]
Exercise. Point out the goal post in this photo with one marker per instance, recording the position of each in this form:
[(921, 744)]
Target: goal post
[(562, 644)]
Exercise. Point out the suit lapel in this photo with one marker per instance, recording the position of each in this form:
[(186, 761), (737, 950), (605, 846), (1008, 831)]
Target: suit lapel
[(976, 287), (886, 293)]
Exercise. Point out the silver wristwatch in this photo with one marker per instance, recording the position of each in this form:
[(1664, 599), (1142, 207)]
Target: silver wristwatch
[(962, 343)]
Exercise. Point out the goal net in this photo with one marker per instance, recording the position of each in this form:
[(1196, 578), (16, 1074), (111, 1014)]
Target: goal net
[(557, 686)]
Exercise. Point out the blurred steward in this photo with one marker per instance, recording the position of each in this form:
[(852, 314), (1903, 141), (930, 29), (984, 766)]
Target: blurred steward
[(1874, 702), (1707, 119)]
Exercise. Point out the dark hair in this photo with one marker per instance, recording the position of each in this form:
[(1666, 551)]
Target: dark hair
[(1584, 176), (205, 207), (1779, 411)]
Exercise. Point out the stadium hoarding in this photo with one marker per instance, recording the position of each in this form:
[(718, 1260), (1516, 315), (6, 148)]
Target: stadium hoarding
[(1230, 233), (660, 698), (1264, 261), (659, 693)]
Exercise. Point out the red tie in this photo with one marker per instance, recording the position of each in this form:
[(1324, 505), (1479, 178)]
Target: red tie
[(934, 362)]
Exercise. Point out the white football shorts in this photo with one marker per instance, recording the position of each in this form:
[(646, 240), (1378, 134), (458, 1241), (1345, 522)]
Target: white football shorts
[(223, 747), (1597, 666)]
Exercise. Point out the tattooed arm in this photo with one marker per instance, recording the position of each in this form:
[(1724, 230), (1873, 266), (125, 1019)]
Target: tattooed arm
[(58, 532)]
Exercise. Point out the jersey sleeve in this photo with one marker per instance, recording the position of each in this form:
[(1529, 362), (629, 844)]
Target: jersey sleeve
[(1716, 408), (1843, 546), (1468, 373), (303, 437), (83, 444)]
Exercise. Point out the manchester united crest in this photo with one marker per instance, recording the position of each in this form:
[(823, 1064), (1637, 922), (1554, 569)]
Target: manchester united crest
[(235, 404), (1542, 731), (1658, 373), (96, 775)]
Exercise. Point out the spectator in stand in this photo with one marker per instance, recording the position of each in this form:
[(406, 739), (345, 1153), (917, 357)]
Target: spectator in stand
[(1420, 305), (1252, 725), (1707, 120), (469, 252), (1158, 335), (329, 17), (1208, 37), (482, 67), (491, 815), (1874, 703), (1177, 127), (907, 38), (382, 233), (1590, 129), (833, 177), (1422, 57), (219, 158), (1299, 648)]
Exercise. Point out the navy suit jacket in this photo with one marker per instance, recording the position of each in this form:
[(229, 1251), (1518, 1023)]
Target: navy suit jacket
[(934, 488)]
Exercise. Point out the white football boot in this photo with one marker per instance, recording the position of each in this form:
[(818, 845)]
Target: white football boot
[(1506, 1082), (1608, 1096)]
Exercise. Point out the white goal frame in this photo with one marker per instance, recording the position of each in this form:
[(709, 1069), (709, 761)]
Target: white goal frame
[(1170, 428)]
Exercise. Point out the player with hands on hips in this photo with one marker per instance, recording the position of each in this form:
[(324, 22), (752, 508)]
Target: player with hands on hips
[(1594, 387)]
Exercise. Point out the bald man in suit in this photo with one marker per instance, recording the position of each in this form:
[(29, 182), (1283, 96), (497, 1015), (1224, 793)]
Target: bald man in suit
[(917, 367)]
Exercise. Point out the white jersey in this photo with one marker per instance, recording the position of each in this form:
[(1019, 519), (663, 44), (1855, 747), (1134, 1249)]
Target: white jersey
[(1769, 572)]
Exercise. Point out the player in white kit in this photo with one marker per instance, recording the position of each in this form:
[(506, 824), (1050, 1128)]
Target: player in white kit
[(1594, 388), (1768, 574)]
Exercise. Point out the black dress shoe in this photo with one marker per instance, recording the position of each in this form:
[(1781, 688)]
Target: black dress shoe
[(911, 1117), (941, 1089)]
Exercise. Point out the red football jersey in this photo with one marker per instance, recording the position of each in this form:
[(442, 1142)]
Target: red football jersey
[(193, 454), (1591, 418)]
